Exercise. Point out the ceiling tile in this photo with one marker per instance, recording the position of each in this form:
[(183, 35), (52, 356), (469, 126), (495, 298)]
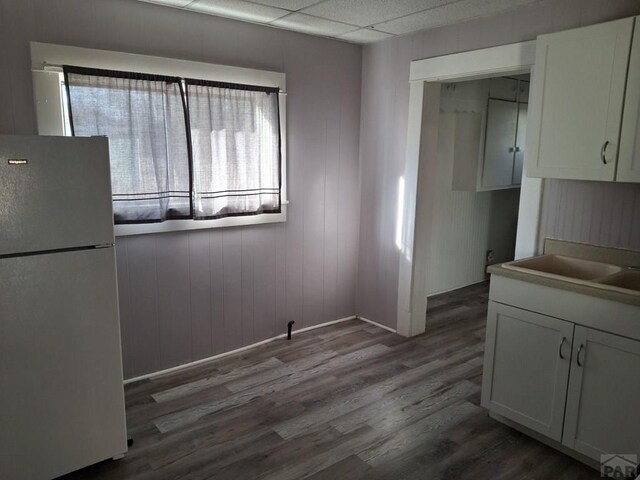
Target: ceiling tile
[(448, 14), (292, 5), (364, 35), (171, 3), (313, 25), (369, 12), (238, 9)]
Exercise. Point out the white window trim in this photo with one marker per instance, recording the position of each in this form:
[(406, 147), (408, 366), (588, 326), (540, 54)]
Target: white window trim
[(46, 62)]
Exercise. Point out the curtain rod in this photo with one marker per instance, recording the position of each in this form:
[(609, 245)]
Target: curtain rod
[(52, 67)]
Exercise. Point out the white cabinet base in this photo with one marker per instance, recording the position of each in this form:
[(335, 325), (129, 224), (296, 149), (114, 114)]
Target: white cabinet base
[(546, 440), (564, 368), (526, 368)]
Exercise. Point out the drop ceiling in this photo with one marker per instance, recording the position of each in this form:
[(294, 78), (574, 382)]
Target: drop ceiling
[(357, 21)]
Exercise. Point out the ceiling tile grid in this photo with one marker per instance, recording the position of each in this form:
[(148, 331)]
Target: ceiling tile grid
[(301, 22), (356, 21)]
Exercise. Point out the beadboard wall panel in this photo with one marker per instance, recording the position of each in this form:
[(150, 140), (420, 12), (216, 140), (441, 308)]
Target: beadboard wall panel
[(385, 96), (599, 213), (464, 225), (189, 295)]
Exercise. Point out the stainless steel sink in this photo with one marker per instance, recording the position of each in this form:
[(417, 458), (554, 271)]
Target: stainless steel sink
[(574, 269)]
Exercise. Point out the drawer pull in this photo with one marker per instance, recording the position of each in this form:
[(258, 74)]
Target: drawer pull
[(578, 355), (604, 151), (561, 345)]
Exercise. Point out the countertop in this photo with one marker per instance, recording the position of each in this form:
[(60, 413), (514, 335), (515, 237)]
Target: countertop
[(617, 295)]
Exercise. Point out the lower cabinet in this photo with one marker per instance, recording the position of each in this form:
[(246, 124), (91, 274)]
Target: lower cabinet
[(526, 368), (575, 385), (603, 404)]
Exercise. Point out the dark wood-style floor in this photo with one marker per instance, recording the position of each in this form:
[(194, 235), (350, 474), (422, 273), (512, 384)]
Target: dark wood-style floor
[(347, 401)]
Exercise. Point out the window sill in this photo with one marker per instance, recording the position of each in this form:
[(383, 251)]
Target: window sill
[(181, 225)]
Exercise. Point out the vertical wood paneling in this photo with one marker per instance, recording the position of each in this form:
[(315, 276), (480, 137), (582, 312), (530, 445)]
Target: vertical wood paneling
[(280, 318), (330, 204), (216, 273), (188, 295), (199, 284), (600, 213), (464, 225), (144, 320), (232, 289), (174, 300), (127, 328), (247, 292), (264, 282)]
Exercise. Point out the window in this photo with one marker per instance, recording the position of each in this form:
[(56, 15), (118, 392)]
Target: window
[(235, 138), (201, 148), (145, 120)]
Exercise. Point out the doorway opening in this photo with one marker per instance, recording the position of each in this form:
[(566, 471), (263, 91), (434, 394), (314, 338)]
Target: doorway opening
[(475, 178)]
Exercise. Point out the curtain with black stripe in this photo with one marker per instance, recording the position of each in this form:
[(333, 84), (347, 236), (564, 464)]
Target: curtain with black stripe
[(235, 137), (144, 116)]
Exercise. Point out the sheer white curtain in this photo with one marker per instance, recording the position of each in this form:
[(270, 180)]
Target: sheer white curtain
[(235, 135), (144, 118)]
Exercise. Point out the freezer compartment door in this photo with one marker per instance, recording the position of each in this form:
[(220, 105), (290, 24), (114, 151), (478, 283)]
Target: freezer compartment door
[(55, 193), (61, 390)]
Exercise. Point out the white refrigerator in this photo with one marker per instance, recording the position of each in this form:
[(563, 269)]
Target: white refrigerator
[(61, 390)]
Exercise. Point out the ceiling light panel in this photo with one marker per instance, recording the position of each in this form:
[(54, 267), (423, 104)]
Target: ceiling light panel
[(312, 25), (369, 12), (238, 9), (364, 35), (448, 14)]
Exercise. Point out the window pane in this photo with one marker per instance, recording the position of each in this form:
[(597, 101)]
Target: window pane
[(144, 120), (236, 150)]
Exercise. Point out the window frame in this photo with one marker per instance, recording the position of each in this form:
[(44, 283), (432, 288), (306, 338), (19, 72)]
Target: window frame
[(46, 62)]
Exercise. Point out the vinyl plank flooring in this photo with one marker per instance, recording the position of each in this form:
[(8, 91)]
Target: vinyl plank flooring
[(349, 401)]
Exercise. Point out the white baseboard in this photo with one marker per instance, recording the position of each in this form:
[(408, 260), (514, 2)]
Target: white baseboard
[(159, 373), (376, 324)]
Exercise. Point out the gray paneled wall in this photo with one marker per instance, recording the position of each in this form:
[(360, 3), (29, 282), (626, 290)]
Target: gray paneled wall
[(599, 213), (383, 130), (189, 295)]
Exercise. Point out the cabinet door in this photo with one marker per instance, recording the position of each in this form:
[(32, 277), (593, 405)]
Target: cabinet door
[(629, 159), (523, 91), (526, 368), (521, 136), (604, 392), (502, 119), (576, 102)]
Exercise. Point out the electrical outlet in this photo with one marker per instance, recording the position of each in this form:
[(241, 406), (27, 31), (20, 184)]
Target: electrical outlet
[(490, 256)]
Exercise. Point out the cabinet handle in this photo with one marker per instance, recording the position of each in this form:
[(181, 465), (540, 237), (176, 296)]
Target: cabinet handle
[(561, 345), (604, 151), (517, 149), (512, 149), (578, 355)]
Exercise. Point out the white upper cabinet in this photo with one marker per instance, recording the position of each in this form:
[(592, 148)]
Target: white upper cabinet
[(576, 104), (500, 137), (629, 159), (490, 130)]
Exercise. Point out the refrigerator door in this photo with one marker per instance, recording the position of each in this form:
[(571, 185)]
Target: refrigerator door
[(61, 390), (55, 193)]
